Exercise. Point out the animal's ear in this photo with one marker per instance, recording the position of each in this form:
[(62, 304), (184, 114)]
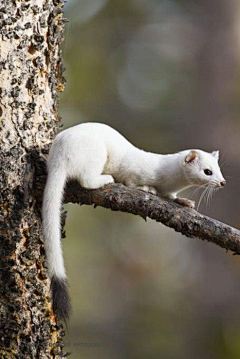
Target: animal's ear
[(215, 154), (191, 157)]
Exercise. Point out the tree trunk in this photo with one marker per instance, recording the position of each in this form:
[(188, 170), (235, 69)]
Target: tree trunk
[(31, 75)]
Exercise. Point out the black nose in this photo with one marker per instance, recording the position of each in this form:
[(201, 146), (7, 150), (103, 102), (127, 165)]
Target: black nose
[(223, 183)]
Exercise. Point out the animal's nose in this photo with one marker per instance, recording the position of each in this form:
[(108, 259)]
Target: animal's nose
[(223, 183)]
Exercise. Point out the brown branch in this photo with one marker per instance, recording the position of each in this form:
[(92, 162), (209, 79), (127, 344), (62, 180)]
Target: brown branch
[(184, 220)]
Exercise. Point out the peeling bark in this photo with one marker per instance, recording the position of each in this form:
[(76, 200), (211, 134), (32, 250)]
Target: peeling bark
[(30, 76)]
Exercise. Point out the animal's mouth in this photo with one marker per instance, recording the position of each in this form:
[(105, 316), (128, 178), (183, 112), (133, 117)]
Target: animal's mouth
[(216, 184), (209, 188), (212, 184)]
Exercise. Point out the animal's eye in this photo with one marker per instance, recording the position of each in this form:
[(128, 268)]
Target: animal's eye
[(208, 172)]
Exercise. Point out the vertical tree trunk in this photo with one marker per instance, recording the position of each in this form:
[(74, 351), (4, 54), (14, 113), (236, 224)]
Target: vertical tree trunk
[(30, 35)]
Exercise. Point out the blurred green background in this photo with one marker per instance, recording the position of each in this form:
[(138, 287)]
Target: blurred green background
[(166, 75)]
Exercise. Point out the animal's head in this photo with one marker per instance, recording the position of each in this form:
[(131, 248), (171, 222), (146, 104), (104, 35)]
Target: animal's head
[(202, 169)]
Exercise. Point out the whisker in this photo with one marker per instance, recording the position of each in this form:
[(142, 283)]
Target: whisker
[(207, 196), (201, 197), (210, 194), (214, 190), (195, 191), (223, 155), (222, 164), (214, 183)]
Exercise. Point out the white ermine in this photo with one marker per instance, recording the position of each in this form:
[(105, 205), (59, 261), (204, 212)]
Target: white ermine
[(96, 154)]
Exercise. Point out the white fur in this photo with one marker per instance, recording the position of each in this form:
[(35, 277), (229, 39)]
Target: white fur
[(96, 155)]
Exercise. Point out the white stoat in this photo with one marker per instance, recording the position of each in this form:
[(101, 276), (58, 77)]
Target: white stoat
[(96, 154)]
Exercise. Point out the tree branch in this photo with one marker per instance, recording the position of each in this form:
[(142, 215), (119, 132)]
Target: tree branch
[(187, 221)]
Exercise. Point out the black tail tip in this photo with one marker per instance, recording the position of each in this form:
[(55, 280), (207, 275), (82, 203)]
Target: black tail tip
[(61, 300)]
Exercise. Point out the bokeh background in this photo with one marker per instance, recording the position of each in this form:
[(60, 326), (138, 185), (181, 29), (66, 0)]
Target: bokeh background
[(166, 75)]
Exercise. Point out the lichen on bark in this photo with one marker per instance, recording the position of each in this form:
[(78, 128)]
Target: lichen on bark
[(30, 77)]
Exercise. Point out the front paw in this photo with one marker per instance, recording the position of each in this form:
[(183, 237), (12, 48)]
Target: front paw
[(185, 202)]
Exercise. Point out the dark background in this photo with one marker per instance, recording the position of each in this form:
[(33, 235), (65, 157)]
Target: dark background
[(166, 75)]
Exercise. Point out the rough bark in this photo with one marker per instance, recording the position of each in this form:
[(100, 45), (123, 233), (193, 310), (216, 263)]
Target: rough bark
[(184, 220), (30, 76), (118, 197)]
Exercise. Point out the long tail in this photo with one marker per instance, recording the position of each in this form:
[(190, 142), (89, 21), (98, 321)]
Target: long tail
[(51, 215)]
